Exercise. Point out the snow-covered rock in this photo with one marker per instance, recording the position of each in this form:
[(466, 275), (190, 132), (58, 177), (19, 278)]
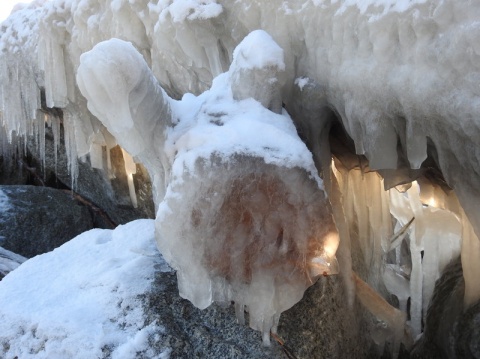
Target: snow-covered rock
[(81, 300), (110, 294)]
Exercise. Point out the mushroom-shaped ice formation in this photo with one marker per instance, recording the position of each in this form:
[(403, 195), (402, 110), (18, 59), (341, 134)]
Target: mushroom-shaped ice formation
[(244, 217)]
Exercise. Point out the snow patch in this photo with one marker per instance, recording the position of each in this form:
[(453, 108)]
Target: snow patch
[(82, 297)]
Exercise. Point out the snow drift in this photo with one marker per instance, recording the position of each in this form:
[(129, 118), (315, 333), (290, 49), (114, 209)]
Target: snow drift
[(87, 301)]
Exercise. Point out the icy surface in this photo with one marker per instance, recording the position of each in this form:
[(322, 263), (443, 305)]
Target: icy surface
[(81, 298), (244, 217)]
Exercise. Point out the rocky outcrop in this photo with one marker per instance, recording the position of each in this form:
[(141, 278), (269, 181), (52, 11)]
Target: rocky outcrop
[(319, 326), (450, 331), (35, 220), (9, 261)]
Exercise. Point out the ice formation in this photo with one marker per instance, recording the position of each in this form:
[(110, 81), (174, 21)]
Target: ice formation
[(244, 218), (400, 77)]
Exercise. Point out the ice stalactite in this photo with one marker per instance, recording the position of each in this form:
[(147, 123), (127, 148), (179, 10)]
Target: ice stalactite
[(427, 221), (122, 90), (244, 217), (470, 262)]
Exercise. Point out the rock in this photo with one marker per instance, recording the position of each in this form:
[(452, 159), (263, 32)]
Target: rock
[(9, 261), (322, 325), (450, 331), (319, 326), (35, 220), (194, 333), (107, 191), (141, 315)]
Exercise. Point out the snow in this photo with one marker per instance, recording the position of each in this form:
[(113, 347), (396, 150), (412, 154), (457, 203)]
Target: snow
[(301, 82), (82, 297), (9, 6), (258, 50), (180, 10)]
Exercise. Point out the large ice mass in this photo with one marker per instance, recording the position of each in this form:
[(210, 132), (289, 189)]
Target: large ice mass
[(385, 95), (244, 217)]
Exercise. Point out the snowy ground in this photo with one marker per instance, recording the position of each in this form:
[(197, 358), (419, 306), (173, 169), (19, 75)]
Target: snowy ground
[(81, 300)]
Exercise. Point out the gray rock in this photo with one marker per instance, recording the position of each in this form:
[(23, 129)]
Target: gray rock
[(450, 331), (319, 326), (194, 333), (9, 261), (35, 220), (108, 193), (111, 195), (322, 325)]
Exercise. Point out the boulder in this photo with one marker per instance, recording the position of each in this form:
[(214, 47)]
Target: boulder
[(319, 326), (9, 261), (35, 220), (450, 330)]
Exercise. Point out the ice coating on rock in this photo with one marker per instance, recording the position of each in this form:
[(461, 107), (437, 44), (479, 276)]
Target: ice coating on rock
[(244, 217), (248, 234)]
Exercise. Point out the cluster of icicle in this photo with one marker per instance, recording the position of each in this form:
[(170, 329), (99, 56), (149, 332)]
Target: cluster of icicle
[(36, 66), (429, 230)]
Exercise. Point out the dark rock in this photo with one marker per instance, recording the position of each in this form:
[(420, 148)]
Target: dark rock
[(108, 192), (450, 331), (194, 333), (35, 220), (9, 261), (322, 325), (319, 326)]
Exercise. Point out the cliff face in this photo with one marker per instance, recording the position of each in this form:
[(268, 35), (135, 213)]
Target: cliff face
[(384, 94)]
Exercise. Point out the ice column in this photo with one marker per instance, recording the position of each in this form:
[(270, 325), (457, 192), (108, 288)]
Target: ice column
[(123, 93)]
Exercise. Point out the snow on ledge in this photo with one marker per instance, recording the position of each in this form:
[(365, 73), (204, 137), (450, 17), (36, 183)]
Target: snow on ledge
[(82, 297)]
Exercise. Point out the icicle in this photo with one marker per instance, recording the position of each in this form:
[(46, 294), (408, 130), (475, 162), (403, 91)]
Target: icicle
[(56, 138), (470, 262), (416, 144), (52, 62), (96, 156), (379, 307), (70, 145), (130, 169), (339, 181), (40, 125)]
